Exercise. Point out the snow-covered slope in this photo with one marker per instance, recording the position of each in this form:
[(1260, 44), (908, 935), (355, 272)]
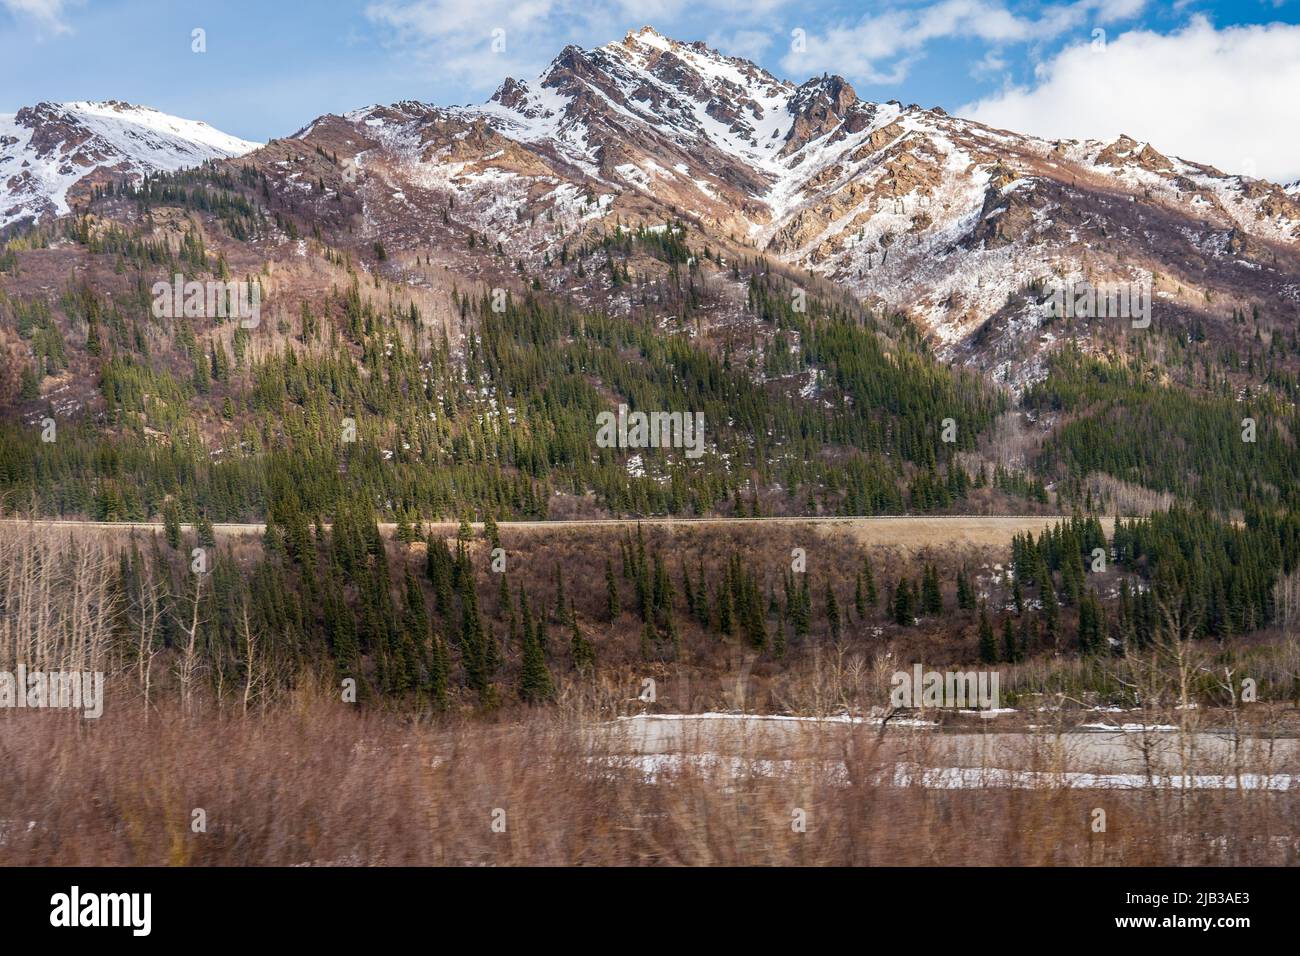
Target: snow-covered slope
[(687, 93), (48, 149), (943, 217), (950, 220)]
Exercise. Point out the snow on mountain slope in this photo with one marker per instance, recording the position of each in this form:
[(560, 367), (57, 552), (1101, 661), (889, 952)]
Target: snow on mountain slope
[(48, 150), (648, 110), (959, 224), (682, 92)]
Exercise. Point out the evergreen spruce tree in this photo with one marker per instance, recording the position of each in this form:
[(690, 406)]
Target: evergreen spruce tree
[(802, 619), (661, 587), (584, 654), (702, 614), (723, 599), (869, 580), (1090, 624), (988, 647), (438, 569), (1124, 616), (207, 537), (560, 616), (644, 592), (1009, 651), (931, 594), (904, 604), (1028, 626), (752, 618), (1051, 609), (476, 655), (535, 684), (833, 621), (965, 593), (172, 524), (611, 593), (403, 533)]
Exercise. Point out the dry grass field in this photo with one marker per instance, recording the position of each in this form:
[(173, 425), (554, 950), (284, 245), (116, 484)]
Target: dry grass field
[(911, 533), (179, 771), (316, 783)]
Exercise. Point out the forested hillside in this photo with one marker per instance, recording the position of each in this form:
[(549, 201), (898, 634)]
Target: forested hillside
[(438, 338), (811, 405)]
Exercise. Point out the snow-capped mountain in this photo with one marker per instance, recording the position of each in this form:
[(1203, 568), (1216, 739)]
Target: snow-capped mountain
[(945, 218), (51, 152), (667, 211), (960, 225)]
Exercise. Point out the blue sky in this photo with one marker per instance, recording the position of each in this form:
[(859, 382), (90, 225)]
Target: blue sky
[(1214, 81)]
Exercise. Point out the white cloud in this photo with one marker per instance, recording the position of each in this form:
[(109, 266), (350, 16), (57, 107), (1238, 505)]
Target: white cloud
[(458, 37), (881, 47), (453, 38), (439, 18), (749, 44), (49, 15), (656, 13), (1225, 97), (992, 62)]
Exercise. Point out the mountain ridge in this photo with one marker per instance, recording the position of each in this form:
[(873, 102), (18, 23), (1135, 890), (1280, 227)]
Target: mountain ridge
[(49, 149), (962, 227), (936, 215)]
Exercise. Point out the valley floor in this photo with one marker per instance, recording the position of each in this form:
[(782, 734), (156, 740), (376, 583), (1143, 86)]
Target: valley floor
[(911, 532), (317, 783)]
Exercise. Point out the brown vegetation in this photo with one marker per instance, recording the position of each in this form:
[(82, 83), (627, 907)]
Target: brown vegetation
[(319, 783), (282, 770)]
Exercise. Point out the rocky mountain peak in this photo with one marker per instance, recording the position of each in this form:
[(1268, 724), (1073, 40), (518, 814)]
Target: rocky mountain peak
[(819, 107)]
